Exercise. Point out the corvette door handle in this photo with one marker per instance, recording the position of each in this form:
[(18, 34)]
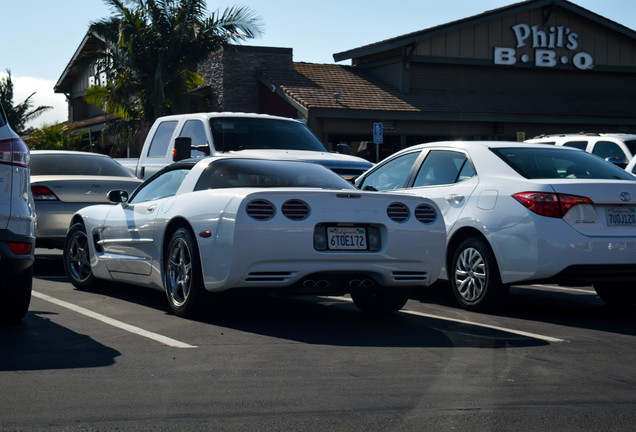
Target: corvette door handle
[(455, 198), (151, 209)]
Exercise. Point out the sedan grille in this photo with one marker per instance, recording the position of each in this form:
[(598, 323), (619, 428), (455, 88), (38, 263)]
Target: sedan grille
[(295, 209), (425, 213), (398, 212), (260, 209)]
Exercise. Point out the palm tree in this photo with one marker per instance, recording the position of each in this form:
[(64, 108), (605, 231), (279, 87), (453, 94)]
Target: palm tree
[(153, 48), (18, 115)]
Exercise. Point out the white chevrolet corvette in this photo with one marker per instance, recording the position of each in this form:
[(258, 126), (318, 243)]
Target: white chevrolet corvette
[(235, 222)]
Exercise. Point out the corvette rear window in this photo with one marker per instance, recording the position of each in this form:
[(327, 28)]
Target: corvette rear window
[(558, 163), (238, 173)]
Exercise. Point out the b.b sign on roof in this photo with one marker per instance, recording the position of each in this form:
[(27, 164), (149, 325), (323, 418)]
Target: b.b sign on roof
[(378, 130)]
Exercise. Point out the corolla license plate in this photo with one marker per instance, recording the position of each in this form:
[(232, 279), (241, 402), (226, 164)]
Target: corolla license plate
[(347, 238), (622, 216)]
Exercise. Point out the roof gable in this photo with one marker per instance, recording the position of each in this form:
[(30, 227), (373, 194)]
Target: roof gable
[(557, 25)]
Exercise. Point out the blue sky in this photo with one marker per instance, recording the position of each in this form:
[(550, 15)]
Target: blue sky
[(39, 37)]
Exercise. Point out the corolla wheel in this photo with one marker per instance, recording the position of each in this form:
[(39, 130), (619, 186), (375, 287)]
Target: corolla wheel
[(183, 281), (475, 276), (76, 258)]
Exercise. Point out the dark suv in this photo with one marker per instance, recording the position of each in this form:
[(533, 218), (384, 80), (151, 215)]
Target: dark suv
[(17, 225)]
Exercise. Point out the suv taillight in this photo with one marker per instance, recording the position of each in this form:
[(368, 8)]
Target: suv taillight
[(550, 204), (13, 151)]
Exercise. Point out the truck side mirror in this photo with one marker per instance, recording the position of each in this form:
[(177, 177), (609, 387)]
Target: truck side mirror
[(343, 149), (182, 148), (619, 162)]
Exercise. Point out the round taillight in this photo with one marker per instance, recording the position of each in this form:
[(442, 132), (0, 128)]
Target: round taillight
[(398, 212), (260, 209), (295, 209), (425, 214)]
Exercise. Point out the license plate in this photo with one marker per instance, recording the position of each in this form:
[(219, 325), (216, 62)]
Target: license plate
[(621, 216), (347, 238)]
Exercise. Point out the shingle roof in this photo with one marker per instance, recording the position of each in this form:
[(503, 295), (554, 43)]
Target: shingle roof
[(313, 86)]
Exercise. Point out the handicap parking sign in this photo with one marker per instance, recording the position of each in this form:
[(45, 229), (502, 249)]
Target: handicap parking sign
[(377, 132)]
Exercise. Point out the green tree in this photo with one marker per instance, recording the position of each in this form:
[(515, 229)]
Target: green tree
[(18, 115), (153, 49), (55, 137)]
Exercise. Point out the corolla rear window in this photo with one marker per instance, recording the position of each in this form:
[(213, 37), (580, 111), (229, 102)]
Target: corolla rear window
[(237, 173), (71, 164), (242, 133), (557, 163)]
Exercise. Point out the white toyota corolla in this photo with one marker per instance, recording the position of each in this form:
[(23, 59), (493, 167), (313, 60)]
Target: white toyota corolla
[(520, 213), (232, 222)]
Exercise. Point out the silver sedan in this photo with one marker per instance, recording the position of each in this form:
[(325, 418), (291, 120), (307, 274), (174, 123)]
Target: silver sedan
[(63, 182)]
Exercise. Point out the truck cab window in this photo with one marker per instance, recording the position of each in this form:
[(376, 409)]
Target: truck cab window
[(161, 139)]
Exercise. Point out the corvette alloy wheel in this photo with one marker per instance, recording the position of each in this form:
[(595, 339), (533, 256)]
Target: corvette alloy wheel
[(183, 280), (76, 258)]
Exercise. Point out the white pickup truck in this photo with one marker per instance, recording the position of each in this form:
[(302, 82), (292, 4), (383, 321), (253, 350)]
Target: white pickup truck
[(264, 136)]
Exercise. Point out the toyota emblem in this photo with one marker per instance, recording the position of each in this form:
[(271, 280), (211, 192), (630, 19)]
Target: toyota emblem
[(625, 196)]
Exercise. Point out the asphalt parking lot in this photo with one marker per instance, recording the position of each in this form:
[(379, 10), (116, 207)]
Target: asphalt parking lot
[(116, 359)]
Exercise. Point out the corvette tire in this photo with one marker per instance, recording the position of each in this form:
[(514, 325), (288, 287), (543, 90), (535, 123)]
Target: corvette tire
[(182, 269)]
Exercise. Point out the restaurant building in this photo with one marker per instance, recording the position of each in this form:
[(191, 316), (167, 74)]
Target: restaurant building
[(534, 67)]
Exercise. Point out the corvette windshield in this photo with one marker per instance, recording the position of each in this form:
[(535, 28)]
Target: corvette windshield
[(558, 163), (236, 173)]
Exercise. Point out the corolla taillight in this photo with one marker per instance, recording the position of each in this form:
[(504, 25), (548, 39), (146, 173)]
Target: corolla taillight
[(549, 204), (42, 193)]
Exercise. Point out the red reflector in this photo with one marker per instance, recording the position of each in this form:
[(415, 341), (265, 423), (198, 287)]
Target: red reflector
[(20, 248), (205, 234)]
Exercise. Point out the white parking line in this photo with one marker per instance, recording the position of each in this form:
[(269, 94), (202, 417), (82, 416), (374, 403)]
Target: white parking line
[(472, 323), (566, 289), (127, 327)]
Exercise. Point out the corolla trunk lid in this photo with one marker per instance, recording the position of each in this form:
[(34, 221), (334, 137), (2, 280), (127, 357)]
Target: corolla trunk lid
[(612, 211)]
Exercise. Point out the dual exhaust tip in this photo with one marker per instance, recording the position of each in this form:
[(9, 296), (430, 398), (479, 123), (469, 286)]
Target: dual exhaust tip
[(353, 283)]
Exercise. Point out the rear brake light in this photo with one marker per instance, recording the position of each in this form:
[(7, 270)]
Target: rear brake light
[(42, 193), (20, 248), (398, 212), (14, 151), (260, 209), (550, 204)]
